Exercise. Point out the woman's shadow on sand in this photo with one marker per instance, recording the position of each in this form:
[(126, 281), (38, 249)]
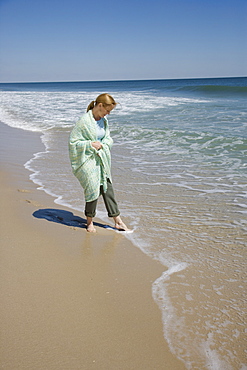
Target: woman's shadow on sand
[(65, 218)]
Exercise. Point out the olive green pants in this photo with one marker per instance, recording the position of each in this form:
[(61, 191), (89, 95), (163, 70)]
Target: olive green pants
[(109, 200)]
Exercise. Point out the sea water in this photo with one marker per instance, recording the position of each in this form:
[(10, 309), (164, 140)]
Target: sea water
[(180, 177)]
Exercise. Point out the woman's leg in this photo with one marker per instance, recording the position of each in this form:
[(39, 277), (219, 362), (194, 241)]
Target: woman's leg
[(90, 212), (110, 201), (120, 225), (112, 207), (90, 225)]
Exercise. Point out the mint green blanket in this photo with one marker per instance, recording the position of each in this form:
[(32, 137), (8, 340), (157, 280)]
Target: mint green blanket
[(91, 167)]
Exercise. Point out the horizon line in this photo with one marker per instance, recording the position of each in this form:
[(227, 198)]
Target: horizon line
[(122, 80)]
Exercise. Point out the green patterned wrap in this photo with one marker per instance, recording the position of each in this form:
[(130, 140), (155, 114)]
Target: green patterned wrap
[(91, 167)]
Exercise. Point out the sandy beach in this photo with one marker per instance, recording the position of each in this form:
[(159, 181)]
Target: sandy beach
[(70, 300)]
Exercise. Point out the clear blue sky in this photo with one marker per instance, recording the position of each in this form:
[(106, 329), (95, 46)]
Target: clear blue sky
[(83, 40)]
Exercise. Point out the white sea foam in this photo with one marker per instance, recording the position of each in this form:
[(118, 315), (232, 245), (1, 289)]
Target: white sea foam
[(37, 111)]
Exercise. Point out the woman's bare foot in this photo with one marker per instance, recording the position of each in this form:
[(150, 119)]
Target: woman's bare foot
[(120, 225), (90, 226)]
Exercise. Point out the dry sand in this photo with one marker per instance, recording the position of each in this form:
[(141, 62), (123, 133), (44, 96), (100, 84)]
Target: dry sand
[(70, 299)]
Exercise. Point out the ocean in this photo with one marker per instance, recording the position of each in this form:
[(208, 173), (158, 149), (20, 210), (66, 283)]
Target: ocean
[(180, 177)]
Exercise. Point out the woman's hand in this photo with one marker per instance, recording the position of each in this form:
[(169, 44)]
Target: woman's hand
[(96, 145)]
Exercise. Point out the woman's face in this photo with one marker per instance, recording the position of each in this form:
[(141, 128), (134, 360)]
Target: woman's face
[(104, 110)]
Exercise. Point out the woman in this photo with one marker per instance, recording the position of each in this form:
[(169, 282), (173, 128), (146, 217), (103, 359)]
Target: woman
[(90, 157)]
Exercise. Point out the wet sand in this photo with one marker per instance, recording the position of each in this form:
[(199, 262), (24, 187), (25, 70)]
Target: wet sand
[(70, 300)]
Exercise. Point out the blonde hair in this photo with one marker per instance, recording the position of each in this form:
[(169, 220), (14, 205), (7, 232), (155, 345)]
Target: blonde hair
[(105, 99)]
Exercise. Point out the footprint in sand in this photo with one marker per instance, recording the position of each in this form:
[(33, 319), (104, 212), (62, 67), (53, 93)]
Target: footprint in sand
[(35, 204), (24, 191)]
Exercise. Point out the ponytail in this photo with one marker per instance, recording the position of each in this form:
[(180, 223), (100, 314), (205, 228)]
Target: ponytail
[(91, 105)]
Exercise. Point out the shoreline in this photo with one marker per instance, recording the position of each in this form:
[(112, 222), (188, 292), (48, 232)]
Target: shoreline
[(70, 299)]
